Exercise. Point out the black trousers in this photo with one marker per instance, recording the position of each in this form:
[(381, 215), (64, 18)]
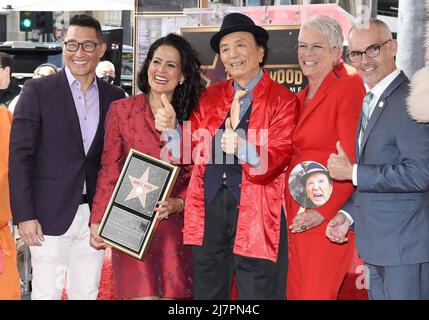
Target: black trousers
[(214, 263)]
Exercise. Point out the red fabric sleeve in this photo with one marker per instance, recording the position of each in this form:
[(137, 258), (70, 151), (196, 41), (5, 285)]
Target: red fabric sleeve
[(276, 152), (348, 105), (112, 161)]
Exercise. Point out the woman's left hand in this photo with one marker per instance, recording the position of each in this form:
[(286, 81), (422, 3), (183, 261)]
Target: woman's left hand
[(169, 206), (310, 218)]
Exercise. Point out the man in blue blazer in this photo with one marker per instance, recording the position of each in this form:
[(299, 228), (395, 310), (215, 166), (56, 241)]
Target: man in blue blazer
[(390, 207), (55, 148)]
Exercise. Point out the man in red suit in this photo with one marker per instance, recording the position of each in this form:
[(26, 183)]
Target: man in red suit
[(233, 209)]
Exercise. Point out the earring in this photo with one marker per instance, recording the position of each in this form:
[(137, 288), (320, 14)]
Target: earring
[(181, 82)]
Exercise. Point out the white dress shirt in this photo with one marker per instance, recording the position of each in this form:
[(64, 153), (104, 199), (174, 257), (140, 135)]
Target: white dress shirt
[(377, 91)]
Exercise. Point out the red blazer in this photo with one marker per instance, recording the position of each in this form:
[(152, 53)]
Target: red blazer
[(129, 124), (332, 115), (274, 108)]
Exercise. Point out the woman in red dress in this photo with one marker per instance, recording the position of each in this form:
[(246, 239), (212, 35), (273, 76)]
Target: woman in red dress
[(170, 74), (329, 112)]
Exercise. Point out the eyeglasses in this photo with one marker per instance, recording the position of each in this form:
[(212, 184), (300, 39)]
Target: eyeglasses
[(315, 48), (371, 52), (87, 46)]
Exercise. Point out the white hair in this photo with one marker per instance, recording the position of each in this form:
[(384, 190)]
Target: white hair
[(103, 65), (380, 25), (328, 27)]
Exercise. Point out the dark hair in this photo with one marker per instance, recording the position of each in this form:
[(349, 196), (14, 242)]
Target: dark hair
[(6, 61), (262, 42), (186, 95), (83, 20)]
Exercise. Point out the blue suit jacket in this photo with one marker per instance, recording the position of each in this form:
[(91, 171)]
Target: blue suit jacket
[(390, 206), (47, 162)]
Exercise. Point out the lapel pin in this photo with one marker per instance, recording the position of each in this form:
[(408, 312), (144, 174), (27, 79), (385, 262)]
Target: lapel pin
[(381, 104)]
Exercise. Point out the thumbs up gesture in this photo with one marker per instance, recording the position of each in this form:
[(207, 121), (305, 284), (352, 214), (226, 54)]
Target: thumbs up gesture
[(165, 117), (229, 140), (339, 165)]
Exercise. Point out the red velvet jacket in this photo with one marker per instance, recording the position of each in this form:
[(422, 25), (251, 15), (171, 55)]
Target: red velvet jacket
[(274, 108)]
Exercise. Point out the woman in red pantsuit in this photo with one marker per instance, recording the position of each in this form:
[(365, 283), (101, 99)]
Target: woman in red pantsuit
[(329, 112), (170, 74)]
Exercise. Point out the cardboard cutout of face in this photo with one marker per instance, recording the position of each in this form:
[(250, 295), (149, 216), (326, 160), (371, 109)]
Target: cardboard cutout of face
[(310, 184)]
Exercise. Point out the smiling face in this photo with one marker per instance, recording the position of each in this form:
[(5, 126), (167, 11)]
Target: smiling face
[(82, 64), (241, 56), (373, 70), (164, 72), (315, 55), (318, 188)]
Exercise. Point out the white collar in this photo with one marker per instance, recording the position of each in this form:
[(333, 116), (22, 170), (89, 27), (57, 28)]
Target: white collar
[(381, 86)]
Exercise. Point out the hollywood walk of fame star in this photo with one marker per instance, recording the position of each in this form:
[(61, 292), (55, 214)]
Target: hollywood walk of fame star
[(141, 187), (213, 73)]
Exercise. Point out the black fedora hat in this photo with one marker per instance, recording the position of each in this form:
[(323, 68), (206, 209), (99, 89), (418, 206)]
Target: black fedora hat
[(235, 22), (312, 168)]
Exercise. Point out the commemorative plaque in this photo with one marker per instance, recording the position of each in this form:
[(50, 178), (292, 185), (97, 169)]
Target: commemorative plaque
[(130, 221)]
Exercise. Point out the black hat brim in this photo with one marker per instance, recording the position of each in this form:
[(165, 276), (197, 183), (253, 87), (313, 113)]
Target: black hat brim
[(257, 31)]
